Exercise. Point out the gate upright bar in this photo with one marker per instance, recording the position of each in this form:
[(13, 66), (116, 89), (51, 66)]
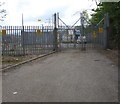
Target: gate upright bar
[(55, 34)]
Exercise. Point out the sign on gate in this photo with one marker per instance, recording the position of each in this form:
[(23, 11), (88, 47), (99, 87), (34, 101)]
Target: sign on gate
[(39, 20), (94, 35), (100, 30), (38, 32), (3, 32), (77, 32)]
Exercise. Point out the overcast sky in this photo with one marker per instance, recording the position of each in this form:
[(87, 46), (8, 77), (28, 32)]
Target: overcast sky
[(44, 9)]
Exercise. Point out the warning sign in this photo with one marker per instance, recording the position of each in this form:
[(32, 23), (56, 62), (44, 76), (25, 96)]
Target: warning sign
[(39, 20), (3, 32), (100, 30), (94, 35), (38, 32)]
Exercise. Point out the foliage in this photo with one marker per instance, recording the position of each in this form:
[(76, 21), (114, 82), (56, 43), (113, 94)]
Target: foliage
[(2, 12), (113, 9)]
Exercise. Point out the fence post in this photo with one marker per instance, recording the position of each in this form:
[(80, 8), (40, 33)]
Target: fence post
[(23, 40), (82, 30), (55, 34), (106, 31)]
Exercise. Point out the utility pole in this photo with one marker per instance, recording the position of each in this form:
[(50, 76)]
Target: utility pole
[(22, 36), (22, 20), (58, 19), (52, 21), (49, 22)]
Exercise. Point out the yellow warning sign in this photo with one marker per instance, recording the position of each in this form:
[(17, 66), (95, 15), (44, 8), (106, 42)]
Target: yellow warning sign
[(100, 30), (3, 32), (94, 35), (38, 32), (39, 20)]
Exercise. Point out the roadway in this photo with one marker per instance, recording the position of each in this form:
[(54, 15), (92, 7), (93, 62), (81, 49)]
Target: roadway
[(69, 76)]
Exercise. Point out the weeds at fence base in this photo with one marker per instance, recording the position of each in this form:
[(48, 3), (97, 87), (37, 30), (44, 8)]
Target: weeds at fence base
[(11, 60)]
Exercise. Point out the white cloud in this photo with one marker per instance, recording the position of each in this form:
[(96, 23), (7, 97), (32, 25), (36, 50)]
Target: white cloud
[(34, 9)]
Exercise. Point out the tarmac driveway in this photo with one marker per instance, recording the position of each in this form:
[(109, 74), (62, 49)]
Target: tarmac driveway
[(70, 76)]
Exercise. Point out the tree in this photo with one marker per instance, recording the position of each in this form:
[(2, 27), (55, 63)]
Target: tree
[(113, 8), (2, 12)]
